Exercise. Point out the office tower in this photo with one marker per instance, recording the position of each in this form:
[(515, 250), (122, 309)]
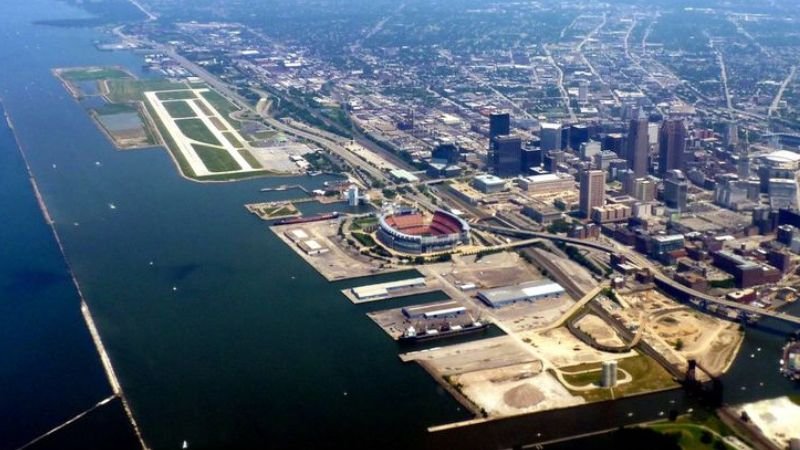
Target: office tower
[(507, 154), (613, 142), (531, 157), (550, 136), (593, 190), (499, 125), (638, 145), (676, 189), (671, 146), (578, 134), (589, 149), (448, 152)]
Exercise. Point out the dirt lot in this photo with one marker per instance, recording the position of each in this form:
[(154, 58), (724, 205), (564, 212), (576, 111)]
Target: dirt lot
[(681, 333), (515, 389), (499, 269), (599, 330), (562, 349)]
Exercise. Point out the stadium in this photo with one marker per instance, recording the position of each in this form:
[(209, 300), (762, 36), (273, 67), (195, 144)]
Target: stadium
[(408, 231)]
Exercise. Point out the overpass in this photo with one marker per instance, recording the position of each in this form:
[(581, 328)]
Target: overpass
[(695, 297)]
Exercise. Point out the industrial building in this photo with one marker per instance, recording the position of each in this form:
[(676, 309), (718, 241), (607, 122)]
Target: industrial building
[(547, 183), (312, 247), (442, 310), (526, 292), (384, 290)]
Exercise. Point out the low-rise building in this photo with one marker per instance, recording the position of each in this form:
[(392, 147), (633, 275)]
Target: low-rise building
[(526, 292)]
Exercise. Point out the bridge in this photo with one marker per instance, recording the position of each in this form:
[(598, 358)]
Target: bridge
[(695, 297)]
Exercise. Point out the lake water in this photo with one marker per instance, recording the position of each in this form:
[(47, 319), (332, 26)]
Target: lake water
[(228, 339)]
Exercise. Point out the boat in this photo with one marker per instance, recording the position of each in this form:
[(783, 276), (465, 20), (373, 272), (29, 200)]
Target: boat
[(412, 335), (314, 218), (790, 362)]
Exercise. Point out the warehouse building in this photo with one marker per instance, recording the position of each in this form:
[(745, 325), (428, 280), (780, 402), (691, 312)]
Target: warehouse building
[(526, 292), (384, 290), (441, 310)]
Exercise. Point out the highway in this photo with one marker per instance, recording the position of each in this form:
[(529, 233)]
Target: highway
[(657, 274)]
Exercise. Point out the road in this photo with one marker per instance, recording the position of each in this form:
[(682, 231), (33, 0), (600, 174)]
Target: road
[(777, 100), (564, 93), (657, 274)]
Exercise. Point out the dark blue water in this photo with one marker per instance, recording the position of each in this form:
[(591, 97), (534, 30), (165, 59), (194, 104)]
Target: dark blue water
[(228, 339), (50, 370)]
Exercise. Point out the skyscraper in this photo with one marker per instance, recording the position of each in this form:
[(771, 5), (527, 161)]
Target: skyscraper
[(638, 145), (499, 124), (507, 155), (550, 136), (671, 145), (593, 190), (676, 189)]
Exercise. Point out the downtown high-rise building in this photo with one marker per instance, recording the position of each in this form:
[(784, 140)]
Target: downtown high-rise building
[(593, 191), (550, 136), (671, 146), (638, 148), (499, 125), (506, 155)]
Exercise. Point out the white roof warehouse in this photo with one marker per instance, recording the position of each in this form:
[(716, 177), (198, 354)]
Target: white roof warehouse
[(531, 291)]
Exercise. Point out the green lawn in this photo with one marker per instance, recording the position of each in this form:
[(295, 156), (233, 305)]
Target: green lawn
[(179, 110), (647, 375), (197, 130), (365, 239), (176, 95), (216, 159), (128, 90), (222, 105), (232, 139), (586, 378), (251, 159), (94, 73), (185, 168)]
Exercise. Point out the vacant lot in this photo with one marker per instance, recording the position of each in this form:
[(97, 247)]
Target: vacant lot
[(216, 159)]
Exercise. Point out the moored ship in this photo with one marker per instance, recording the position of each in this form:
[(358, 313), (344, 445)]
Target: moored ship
[(307, 219), (412, 335)]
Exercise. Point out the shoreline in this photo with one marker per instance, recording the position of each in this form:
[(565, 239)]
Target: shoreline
[(85, 312)]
